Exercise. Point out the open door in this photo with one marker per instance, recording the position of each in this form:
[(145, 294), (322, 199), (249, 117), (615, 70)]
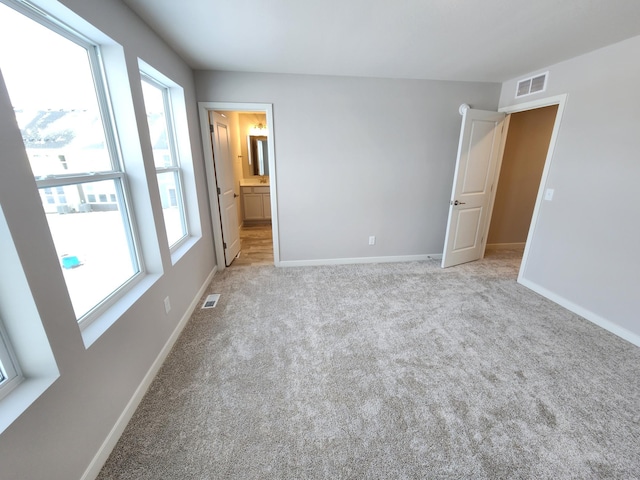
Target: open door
[(220, 139), (473, 185)]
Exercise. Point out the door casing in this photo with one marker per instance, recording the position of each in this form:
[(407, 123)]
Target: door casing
[(558, 100), (267, 109), (561, 101)]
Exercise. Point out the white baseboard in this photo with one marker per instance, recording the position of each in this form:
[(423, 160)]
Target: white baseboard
[(350, 261), (107, 446), (583, 312), (506, 246)]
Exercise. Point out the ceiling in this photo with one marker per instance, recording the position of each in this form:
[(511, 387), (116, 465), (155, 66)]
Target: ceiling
[(469, 40)]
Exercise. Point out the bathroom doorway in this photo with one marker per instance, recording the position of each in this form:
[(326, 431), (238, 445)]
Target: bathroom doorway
[(256, 195)]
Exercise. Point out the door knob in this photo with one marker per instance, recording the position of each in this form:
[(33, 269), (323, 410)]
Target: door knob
[(235, 195), (458, 203)]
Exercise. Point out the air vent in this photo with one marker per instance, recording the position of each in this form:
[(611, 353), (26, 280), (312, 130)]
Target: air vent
[(211, 301), (532, 85)]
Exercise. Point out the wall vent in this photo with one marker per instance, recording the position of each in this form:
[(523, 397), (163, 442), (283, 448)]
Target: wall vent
[(211, 301), (531, 85)]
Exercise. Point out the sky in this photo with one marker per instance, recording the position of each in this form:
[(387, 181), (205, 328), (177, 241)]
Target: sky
[(42, 69)]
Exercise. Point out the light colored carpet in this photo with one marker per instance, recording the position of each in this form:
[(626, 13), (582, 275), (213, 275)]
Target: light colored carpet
[(398, 371)]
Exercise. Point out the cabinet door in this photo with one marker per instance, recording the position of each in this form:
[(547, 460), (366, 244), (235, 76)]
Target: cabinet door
[(253, 206), (266, 205)]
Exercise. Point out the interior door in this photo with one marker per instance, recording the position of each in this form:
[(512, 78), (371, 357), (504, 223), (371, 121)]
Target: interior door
[(220, 138), (473, 183)]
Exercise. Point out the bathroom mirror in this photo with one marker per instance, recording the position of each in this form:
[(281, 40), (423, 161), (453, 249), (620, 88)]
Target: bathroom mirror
[(258, 154)]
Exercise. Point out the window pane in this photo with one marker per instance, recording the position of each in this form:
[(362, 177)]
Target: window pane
[(7, 368), (171, 208), (92, 241), (62, 112), (51, 86), (154, 102)]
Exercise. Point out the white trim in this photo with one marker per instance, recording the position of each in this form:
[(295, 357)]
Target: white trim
[(357, 260), (109, 443), (621, 332), (561, 101), (583, 312), (267, 108)]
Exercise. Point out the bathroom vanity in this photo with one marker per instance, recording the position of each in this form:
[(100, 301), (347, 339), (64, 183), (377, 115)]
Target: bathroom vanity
[(256, 201)]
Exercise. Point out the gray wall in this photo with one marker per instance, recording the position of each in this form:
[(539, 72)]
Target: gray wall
[(585, 249), (358, 157), (59, 435)]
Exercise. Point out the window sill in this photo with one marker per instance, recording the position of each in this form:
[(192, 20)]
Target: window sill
[(182, 248), (97, 327)]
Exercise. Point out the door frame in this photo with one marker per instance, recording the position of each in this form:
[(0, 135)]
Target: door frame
[(560, 101), (267, 108)]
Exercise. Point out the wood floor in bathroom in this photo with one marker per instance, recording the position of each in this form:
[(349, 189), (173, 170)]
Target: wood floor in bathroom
[(256, 246)]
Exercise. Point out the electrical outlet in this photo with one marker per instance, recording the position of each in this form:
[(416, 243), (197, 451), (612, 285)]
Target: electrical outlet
[(167, 305), (372, 240)]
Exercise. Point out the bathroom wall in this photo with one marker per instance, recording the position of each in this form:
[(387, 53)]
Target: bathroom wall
[(248, 120)]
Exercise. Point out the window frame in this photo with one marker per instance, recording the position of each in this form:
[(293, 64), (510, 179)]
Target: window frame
[(117, 173), (175, 167), (10, 373)]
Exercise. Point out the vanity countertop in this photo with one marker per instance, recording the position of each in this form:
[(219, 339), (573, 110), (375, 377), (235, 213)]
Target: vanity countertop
[(253, 182)]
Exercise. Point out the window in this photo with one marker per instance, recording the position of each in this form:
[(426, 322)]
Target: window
[(160, 120), (55, 83), (9, 373)]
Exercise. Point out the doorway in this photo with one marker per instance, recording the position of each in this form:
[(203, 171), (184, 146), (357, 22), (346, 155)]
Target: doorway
[(268, 202), (558, 102), (480, 155), (525, 151)]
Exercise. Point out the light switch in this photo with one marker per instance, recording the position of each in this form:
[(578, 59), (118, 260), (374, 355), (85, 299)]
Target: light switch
[(548, 194)]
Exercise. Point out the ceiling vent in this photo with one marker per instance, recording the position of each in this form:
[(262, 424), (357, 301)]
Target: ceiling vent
[(532, 85)]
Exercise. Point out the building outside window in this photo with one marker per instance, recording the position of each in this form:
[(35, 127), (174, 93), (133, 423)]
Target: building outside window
[(55, 82), (157, 102)]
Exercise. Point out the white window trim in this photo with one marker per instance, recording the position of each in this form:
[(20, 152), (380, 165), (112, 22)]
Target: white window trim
[(113, 147), (10, 373), (175, 168)]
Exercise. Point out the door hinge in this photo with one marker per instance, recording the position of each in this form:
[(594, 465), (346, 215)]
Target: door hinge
[(218, 188), (210, 128), (224, 245)]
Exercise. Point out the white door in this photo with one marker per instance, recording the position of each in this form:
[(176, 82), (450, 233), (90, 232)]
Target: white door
[(220, 138), (473, 183)]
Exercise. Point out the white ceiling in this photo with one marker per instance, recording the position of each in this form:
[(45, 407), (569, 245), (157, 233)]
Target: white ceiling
[(472, 40)]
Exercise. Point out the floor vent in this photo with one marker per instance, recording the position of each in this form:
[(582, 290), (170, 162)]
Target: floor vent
[(211, 301), (531, 85)]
